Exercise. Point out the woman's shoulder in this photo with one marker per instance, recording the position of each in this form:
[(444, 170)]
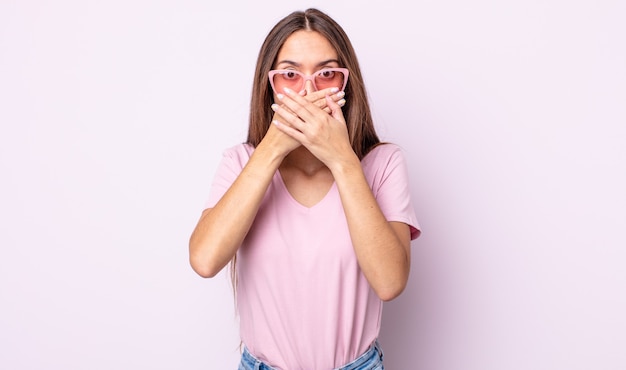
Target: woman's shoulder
[(383, 152), (239, 151), (237, 156)]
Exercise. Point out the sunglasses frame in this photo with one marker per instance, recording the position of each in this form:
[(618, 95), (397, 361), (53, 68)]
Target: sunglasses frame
[(306, 78)]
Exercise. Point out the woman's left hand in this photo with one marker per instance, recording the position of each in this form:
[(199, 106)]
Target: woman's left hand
[(324, 135)]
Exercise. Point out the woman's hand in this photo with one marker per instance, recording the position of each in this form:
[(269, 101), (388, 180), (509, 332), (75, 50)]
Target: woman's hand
[(285, 143), (324, 135), (319, 98)]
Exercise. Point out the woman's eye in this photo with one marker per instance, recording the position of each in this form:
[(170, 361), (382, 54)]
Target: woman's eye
[(327, 74), (290, 75)]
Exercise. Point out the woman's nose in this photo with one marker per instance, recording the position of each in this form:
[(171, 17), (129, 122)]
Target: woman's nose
[(309, 87)]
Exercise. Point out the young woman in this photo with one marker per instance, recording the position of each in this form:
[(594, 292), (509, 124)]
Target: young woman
[(313, 209)]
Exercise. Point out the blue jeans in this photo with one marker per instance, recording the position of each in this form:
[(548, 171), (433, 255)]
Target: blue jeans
[(372, 359)]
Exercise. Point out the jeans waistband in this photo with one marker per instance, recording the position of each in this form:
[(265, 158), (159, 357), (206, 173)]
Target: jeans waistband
[(373, 356)]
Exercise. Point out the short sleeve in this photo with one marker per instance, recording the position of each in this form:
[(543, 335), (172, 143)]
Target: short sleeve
[(388, 174), (233, 161)]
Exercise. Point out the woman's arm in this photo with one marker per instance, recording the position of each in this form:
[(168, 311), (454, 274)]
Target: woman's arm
[(221, 229), (382, 248)]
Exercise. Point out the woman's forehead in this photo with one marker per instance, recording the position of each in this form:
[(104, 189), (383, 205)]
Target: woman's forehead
[(306, 47)]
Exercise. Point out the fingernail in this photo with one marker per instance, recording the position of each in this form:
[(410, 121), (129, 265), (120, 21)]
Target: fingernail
[(280, 96), (275, 107), (275, 122), (341, 94), (334, 90), (287, 90), (341, 102)]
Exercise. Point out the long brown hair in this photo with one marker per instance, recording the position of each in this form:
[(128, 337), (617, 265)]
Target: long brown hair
[(356, 111)]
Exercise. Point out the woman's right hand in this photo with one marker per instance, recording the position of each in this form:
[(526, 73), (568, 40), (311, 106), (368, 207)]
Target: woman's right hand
[(278, 140)]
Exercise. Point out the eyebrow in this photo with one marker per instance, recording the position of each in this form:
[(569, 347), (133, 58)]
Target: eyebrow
[(296, 64)]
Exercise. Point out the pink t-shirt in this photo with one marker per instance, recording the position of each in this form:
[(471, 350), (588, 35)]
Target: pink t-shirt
[(302, 299)]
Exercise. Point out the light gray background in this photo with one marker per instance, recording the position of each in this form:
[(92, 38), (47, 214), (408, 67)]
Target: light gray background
[(512, 114)]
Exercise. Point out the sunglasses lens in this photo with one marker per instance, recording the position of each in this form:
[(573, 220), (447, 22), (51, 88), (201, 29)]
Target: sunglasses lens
[(329, 78), (289, 79)]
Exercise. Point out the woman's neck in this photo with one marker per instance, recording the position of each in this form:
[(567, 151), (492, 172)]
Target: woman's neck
[(303, 160)]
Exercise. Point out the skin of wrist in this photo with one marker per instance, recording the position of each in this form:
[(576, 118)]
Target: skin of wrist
[(346, 166), (270, 152)]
